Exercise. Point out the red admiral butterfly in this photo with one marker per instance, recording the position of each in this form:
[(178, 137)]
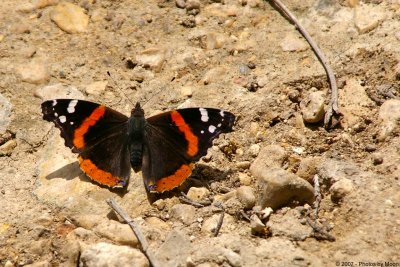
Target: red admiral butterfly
[(164, 146)]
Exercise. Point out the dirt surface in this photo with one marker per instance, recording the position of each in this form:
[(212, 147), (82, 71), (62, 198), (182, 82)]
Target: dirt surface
[(242, 56)]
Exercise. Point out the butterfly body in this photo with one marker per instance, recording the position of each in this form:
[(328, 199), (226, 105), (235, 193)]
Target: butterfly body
[(109, 143), (136, 133)]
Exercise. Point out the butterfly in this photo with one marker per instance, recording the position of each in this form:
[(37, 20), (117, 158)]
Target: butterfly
[(108, 143)]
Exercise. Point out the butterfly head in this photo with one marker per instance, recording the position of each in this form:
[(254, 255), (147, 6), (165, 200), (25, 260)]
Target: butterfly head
[(137, 111)]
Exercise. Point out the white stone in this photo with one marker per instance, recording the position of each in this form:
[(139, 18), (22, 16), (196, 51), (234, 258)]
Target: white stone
[(104, 254), (152, 58)]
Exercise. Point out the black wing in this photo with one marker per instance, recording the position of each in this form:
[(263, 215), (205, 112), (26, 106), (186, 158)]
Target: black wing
[(97, 133), (177, 138)]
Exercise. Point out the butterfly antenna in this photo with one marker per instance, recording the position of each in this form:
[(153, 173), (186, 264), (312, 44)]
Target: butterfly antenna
[(148, 100), (119, 89)]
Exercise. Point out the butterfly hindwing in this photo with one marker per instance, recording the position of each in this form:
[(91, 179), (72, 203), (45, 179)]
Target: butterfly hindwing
[(178, 138), (97, 133)]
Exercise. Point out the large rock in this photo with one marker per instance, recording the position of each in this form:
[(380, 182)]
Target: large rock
[(175, 249), (279, 187), (108, 255), (69, 17)]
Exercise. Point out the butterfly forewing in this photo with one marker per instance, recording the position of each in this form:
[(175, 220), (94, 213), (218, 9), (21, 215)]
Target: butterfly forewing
[(176, 139), (97, 133)]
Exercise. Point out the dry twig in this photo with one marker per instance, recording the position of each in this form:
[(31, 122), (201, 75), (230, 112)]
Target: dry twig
[(319, 232), (333, 108), (317, 194), (135, 228), (221, 218), (184, 198)]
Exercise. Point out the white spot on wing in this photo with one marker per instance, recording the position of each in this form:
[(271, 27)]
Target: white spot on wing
[(202, 131), (71, 106), (56, 114), (222, 113), (219, 125), (54, 102), (204, 114), (63, 119), (72, 123), (211, 128)]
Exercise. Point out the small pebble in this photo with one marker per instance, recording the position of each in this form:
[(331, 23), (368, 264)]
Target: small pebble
[(254, 150), (180, 3), (293, 44), (7, 148), (192, 4), (340, 189), (254, 128), (246, 196), (243, 165), (244, 179), (96, 88), (377, 158), (251, 65), (256, 225), (198, 193), (370, 148), (265, 213), (35, 72), (244, 69), (210, 224), (152, 58), (313, 107), (187, 91), (184, 213), (159, 204)]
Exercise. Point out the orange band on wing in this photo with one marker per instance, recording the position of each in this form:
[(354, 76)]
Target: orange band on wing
[(193, 141), (100, 176), (174, 180), (79, 134)]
